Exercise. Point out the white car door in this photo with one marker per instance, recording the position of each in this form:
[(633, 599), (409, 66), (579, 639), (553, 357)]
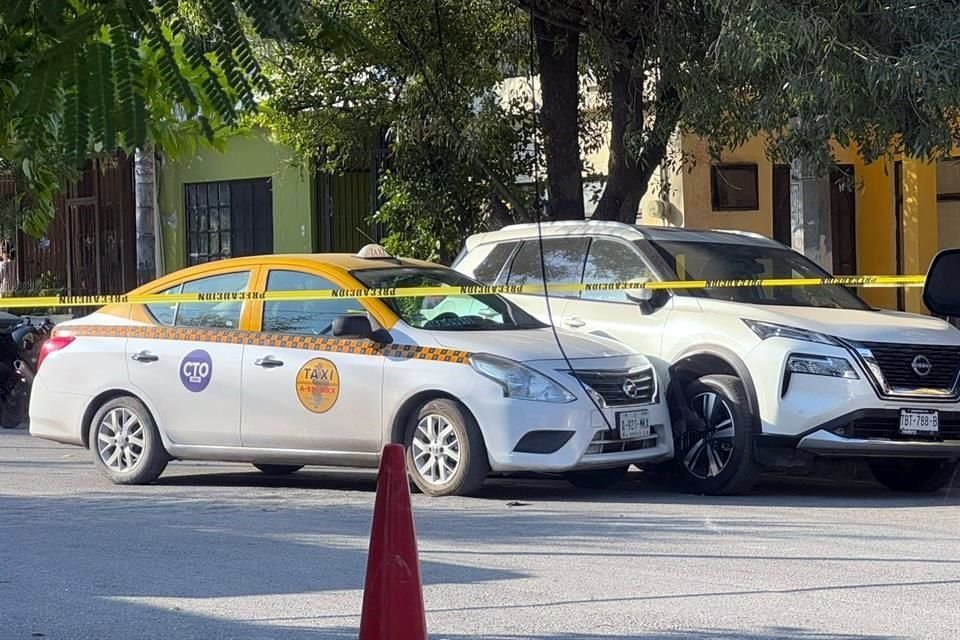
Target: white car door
[(610, 313), (303, 388), (190, 372)]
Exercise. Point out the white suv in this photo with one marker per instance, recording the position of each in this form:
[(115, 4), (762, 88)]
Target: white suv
[(759, 376)]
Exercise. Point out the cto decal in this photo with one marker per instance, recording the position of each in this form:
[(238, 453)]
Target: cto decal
[(318, 385), (196, 369)]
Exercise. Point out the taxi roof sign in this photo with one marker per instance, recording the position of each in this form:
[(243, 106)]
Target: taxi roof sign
[(373, 251)]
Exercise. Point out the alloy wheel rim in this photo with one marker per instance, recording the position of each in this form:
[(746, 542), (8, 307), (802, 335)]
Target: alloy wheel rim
[(120, 440), (713, 447), (436, 449)]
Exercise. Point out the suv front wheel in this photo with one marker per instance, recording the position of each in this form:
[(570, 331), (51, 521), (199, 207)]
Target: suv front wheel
[(715, 454)]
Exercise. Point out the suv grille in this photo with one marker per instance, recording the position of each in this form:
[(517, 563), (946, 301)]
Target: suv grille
[(896, 363), (613, 385)]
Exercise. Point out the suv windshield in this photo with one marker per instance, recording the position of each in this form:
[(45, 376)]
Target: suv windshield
[(733, 261), (455, 312)]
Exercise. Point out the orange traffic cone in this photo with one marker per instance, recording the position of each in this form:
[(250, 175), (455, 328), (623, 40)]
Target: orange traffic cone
[(392, 593)]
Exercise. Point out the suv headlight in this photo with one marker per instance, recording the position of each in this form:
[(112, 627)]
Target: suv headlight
[(821, 366), (519, 381), (766, 330)]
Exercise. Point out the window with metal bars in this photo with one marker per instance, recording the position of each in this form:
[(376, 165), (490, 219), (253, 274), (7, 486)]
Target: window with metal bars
[(228, 219)]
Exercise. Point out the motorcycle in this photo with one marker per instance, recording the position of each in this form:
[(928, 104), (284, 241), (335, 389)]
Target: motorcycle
[(20, 340)]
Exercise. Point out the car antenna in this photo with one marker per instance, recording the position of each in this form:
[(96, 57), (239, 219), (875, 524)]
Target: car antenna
[(538, 209)]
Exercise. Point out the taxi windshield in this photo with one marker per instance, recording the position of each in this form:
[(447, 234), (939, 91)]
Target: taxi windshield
[(454, 312)]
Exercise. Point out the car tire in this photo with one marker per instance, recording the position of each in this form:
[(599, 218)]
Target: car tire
[(278, 469), (125, 442), (716, 456), (913, 475), (596, 478), (439, 434)]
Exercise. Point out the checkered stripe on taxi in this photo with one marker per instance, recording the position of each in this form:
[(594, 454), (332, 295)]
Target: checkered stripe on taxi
[(260, 339)]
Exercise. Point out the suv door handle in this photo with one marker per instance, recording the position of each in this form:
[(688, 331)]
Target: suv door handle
[(144, 356), (574, 322), (268, 362)]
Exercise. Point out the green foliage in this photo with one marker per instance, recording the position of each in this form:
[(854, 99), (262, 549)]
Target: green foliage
[(80, 78), (422, 88), (881, 75)]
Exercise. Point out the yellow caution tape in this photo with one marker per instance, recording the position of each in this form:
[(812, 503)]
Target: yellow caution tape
[(419, 292)]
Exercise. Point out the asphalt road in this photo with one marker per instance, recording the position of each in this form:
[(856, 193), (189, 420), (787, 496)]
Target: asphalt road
[(220, 551)]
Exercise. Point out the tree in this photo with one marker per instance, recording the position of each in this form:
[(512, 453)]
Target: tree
[(423, 87), (86, 77)]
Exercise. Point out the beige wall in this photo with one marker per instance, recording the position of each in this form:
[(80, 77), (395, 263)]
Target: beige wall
[(697, 211)]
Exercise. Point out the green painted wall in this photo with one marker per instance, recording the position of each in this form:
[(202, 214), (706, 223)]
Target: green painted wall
[(252, 156)]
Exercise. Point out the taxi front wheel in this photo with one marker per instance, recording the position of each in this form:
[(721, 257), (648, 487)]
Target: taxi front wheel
[(446, 455), (125, 442)]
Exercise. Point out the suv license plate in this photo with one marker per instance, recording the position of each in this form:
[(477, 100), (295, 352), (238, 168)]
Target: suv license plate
[(634, 424), (919, 421)]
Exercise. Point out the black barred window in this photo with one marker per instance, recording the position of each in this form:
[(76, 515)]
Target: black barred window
[(228, 219)]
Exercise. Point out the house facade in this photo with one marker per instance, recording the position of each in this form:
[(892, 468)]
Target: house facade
[(888, 217)]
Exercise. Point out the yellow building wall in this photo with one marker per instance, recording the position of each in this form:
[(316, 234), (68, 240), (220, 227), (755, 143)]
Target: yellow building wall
[(696, 210), (920, 222), (876, 221)]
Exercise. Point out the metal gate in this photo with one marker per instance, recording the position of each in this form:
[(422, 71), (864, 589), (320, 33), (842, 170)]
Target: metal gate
[(90, 246)]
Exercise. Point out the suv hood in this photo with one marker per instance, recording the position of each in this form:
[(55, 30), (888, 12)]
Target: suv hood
[(528, 345), (852, 324)]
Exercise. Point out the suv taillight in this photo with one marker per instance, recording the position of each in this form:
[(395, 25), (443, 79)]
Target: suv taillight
[(52, 345)]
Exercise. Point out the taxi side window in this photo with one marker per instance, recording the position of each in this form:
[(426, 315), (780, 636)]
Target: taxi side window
[(219, 315), (610, 261), (165, 313), (304, 317)]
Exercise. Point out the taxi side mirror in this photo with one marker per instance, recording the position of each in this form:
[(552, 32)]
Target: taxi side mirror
[(940, 291), (357, 326)]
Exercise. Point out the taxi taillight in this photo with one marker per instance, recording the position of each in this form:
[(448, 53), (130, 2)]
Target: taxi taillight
[(52, 345)]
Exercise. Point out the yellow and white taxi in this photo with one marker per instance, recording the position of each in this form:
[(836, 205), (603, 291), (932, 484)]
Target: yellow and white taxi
[(471, 384)]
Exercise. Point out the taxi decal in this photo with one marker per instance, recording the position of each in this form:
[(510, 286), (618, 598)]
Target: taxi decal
[(196, 370), (235, 336), (318, 385)]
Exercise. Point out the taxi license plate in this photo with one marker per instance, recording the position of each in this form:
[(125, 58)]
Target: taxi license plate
[(919, 421), (634, 424)]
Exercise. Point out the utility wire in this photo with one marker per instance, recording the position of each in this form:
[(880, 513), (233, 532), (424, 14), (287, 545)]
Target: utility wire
[(538, 216)]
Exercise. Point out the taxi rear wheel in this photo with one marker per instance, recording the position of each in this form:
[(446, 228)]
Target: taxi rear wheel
[(446, 455), (125, 442), (279, 469)]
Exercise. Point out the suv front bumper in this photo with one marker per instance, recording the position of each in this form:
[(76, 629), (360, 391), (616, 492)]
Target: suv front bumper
[(876, 433)]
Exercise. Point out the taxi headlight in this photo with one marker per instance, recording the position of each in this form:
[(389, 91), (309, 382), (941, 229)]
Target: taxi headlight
[(519, 381)]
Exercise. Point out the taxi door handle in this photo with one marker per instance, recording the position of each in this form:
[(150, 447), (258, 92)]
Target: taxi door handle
[(144, 356), (574, 322), (268, 362)]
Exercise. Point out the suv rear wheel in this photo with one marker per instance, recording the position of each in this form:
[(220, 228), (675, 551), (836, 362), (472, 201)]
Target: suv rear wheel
[(716, 455), (919, 476)]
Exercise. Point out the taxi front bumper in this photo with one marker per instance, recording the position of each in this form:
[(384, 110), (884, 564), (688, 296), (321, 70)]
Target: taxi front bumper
[(544, 437)]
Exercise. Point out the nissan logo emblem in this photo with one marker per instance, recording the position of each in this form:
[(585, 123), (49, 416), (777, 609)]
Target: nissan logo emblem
[(630, 388), (921, 365)]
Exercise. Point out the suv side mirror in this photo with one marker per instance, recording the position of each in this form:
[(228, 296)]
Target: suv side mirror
[(357, 326), (941, 292)]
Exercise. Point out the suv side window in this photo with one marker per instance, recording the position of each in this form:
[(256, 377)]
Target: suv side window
[(564, 262), (217, 315), (304, 317), (490, 267), (612, 261)]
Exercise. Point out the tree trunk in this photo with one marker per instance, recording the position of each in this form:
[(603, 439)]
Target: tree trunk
[(145, 176), (558, 51), (628, 174)]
